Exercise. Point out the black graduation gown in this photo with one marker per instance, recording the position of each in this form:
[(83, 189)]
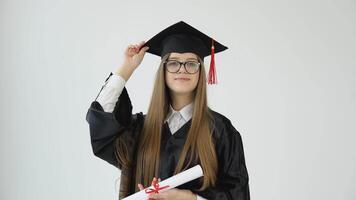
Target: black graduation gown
[(233, 179)]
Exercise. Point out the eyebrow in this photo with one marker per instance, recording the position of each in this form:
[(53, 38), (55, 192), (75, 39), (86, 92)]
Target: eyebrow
[(187, 58)]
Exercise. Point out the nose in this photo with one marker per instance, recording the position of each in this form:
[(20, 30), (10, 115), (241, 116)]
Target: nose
[(182, 69)]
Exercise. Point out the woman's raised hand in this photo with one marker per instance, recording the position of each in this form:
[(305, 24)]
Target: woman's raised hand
[(132, 59), (133, 55)]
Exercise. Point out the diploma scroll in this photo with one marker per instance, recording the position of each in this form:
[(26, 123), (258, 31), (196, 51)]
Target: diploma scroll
[(172, 182)]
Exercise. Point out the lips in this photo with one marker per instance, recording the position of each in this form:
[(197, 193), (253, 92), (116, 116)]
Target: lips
[(182, 79)]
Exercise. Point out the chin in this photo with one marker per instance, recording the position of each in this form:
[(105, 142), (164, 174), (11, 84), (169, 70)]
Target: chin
[(180, 90)]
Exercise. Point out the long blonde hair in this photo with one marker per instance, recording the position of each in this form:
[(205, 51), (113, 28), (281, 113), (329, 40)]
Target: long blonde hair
[(199, 145)]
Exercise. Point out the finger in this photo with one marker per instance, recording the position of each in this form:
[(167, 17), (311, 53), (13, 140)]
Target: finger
[(130, 48), (153, 180), (133, 50), (140, 186), (141, 43), (143, 51), (155, 196), (159, 179), (137, 48)]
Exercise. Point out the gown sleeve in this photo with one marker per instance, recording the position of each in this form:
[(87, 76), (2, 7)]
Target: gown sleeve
[(106, 127), (233, 179)]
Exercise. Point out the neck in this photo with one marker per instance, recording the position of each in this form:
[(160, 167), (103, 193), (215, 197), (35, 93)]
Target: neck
[(181, 100)]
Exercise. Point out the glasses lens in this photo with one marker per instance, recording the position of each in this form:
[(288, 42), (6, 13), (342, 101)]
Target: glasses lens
[(172, 66), (192, 67)]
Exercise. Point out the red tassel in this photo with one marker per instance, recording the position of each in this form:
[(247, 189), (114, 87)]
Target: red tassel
[(212, 79)]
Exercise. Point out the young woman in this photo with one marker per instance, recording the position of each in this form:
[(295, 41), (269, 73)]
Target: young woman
[(179, 129)]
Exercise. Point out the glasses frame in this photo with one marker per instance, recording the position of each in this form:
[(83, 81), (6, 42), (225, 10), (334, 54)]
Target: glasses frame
[(180, 65)]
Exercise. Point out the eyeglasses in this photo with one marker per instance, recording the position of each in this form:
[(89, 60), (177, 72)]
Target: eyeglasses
[(173, 66)]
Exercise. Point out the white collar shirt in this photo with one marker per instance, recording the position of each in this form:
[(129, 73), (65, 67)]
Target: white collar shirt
[(176, 119)]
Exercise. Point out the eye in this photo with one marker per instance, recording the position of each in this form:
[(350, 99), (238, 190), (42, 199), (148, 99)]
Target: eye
[(192, 64), (172, 63)]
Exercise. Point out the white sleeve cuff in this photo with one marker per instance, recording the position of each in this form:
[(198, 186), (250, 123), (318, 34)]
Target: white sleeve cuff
[(116, 81), (110, 93)]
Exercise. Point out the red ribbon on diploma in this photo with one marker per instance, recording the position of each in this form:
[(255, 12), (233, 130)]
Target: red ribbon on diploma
[(156, 188)]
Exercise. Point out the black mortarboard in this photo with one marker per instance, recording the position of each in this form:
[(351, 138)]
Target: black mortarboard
[(181, 37)]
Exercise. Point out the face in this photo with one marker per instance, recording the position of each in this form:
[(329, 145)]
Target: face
[(182, 82)]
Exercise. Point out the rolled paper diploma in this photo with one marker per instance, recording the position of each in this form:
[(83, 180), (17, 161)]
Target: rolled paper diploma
[(171, 182)]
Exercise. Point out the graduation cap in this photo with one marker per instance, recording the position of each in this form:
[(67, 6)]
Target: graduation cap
[(181, 38)]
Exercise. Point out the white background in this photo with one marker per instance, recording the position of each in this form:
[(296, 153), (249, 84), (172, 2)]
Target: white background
[(287, 83)]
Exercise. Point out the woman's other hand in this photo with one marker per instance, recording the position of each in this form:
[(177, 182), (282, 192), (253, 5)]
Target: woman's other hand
[(171, 194), (174, 194), (140, 186)]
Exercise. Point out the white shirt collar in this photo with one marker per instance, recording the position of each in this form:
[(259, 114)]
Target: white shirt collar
[(186, 112)]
